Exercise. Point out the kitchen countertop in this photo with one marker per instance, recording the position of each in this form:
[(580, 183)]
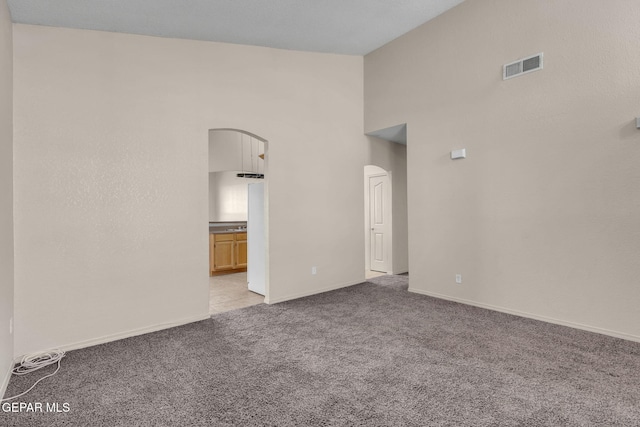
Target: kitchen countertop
[(227, 227), (220, 230)]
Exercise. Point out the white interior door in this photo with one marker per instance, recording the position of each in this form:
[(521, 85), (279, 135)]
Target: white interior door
[(380, 222), (256, 265)]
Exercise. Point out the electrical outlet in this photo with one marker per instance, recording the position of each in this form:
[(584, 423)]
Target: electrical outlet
[(11, 326), (314, 271), (458, 278)]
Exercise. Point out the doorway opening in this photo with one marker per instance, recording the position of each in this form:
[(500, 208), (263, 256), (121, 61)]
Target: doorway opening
[(378, 222), (237, 219), (386, 203)]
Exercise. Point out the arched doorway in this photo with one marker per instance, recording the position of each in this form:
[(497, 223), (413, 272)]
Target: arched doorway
[(238, 264)]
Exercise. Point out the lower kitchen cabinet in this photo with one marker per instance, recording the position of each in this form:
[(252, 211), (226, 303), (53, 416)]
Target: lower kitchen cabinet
[(227, 253), (240, 260)]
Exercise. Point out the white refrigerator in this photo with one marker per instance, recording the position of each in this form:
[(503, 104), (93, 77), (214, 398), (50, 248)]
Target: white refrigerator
[(256, 263)]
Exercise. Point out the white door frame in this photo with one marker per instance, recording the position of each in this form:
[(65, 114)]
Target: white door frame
[(373, 171)]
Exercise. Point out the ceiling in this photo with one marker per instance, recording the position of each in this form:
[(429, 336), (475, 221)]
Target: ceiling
[(352, 27)]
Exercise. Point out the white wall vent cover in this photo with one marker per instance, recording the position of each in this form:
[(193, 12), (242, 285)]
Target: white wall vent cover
[(523, 66)]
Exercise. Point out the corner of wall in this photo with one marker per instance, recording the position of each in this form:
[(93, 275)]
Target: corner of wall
[(543, 222), (6, 189), (5, 379)]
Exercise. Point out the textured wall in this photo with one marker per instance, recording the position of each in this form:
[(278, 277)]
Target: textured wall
[(542, 217), (229, 196), (6, 192), (111, 170)]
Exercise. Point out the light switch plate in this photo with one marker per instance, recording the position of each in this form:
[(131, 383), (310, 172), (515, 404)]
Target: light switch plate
[(459, 154), (638, 122)]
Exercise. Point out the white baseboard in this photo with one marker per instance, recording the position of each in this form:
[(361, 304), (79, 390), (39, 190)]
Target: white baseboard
[(574, 325), (126, 334), (313, 292), (5, 380)]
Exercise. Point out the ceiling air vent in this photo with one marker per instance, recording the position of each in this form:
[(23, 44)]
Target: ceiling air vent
[(523, 66)]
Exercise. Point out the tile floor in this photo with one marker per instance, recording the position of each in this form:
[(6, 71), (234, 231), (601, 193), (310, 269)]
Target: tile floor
[(368, 274), (229, 292)]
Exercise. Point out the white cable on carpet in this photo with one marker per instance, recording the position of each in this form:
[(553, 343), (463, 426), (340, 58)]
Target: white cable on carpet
[(33, 362)]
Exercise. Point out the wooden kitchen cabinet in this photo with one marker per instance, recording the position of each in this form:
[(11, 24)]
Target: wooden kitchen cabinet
[(223, 248), (227, 253), (240, 260)]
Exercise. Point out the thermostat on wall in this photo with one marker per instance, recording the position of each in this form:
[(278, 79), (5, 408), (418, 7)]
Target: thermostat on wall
[(459, 154)]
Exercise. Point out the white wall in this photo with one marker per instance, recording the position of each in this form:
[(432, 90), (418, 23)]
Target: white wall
[(111, 170), (229, 196), (6, 192), (541, 218)]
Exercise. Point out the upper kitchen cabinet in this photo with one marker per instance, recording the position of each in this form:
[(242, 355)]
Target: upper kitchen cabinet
[(231, 150)]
